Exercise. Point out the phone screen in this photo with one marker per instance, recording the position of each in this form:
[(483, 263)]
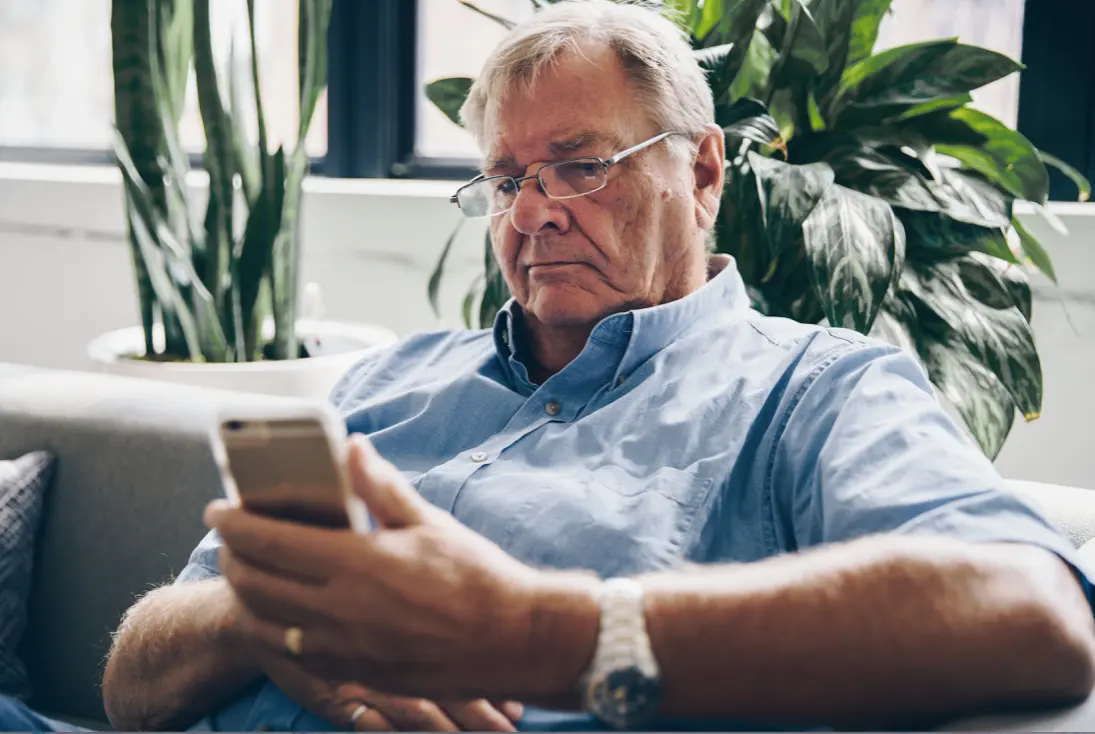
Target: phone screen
[(286, 469)]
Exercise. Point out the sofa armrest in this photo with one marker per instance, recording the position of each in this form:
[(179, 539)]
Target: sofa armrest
[(134, 471)]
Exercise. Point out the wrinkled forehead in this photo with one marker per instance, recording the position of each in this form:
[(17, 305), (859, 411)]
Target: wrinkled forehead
[(575, 104)]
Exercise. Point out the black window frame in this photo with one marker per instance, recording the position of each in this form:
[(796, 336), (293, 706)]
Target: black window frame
[(373, 87)]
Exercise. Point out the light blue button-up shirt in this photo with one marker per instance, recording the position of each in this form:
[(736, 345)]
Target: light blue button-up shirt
[(695, 431)]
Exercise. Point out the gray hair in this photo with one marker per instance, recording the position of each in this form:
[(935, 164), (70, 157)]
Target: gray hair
[(654, 51)]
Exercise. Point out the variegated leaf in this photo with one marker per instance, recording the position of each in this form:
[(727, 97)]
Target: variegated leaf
[(974, 391), (1001, 339), (853, 240), (788, 194)]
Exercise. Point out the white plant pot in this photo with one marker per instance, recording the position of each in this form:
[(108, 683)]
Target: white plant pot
[(118, 352)]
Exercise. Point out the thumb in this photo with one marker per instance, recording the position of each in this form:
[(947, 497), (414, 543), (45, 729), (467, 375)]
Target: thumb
[(388, 496)]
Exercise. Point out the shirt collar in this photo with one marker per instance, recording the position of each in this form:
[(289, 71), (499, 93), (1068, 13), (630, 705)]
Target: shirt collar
[(640, 333)]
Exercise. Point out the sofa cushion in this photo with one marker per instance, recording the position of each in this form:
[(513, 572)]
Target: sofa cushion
[(23, 484)]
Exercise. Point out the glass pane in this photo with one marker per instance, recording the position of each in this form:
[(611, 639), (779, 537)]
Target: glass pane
[(454, 41), (55, 80), (56, 87), (994, 24)]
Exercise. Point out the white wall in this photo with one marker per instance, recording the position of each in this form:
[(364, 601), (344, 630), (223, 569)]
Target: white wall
[(65, 278)]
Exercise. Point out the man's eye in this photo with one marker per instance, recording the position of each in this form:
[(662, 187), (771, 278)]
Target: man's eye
[(505, 186), (588, 169)]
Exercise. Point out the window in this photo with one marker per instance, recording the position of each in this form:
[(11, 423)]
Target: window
[(454, 41), (55, 81), (993, 24), (56, 85)]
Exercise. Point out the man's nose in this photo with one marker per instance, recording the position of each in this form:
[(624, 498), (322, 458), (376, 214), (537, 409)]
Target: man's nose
[(534, 211)]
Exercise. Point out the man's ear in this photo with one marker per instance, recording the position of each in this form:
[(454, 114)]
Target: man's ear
[(709, 173)]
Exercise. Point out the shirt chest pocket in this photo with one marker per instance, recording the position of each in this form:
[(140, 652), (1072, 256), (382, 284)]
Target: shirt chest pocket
[(606, 520)]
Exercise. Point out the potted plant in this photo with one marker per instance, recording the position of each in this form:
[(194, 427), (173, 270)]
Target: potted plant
[(864, 192), (217, 279)]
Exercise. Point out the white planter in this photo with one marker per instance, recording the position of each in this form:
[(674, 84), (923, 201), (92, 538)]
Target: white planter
[(311, 378)]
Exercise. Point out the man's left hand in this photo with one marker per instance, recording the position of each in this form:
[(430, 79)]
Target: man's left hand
[(421, 606)]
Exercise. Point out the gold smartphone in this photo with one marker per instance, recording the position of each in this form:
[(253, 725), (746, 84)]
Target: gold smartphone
[(290, 467)]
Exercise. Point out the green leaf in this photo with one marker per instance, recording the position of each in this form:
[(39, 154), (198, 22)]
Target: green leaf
[(256, 89), (900, 181), (991, 148), (995, 283), (448, 95), (1001, 339), (920, 73), (1034, 250), (740, 232), (975, 392), (834, 21), (182, 295), (892, 328), (853, 241), (475, 290), (1082, 184), (893, 115), (495, 290), (434, 286), (712, 57), (253, 254), (932, 237), (172, 301), (314, 19), (787, 194), (805, 42), (747, 119), (246, 156), (736, 26), (753, 78), (218, 158), (868, 18), (710, 15), (507, 24)]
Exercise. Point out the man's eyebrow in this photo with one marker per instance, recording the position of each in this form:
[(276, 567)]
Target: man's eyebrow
[(502, 163), (558, 148), (582, 140)]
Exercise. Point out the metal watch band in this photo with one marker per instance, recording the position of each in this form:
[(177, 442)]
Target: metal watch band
[(622, 686)]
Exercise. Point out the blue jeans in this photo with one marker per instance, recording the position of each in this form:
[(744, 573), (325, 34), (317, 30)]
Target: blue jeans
[(271, 711), (268, 709)]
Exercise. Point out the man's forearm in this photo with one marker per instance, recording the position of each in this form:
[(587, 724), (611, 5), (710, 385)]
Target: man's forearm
[(871, 633), (174, 658)]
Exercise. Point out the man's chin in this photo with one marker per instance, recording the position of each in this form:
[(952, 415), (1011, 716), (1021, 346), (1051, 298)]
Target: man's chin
[(571, 310)]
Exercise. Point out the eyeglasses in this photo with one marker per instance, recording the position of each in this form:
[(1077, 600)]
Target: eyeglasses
[(494, 195)]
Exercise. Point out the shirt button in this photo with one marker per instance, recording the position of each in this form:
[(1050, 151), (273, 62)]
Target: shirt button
[(478, 457), (553, 408)]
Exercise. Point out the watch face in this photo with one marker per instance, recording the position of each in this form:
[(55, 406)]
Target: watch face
[(626, 697)]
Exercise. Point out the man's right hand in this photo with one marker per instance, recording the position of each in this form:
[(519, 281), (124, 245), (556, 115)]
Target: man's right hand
[(337, 703)]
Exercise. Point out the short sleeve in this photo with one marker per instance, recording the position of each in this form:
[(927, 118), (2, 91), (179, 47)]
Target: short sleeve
[(203, 560), (867, 448)]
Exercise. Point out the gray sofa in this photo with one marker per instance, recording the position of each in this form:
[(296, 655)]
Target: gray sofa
[(134, 473)]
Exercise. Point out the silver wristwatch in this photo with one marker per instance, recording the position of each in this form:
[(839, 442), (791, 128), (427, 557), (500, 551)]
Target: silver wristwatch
[(623, 685)]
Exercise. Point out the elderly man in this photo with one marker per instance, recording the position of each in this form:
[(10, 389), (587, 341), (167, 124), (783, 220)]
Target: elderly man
[(634, 497)]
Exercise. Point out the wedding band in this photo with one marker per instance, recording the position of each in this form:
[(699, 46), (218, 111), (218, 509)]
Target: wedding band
[(358, 713), (294, 641)]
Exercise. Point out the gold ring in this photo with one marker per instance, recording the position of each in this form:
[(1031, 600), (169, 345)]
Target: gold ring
[(294, 641), (358, 713)]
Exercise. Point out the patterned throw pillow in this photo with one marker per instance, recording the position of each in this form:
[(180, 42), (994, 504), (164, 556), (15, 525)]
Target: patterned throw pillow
[(23, 484)]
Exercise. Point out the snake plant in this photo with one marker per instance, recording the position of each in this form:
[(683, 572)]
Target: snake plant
[(209, 273), (863, 191)]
